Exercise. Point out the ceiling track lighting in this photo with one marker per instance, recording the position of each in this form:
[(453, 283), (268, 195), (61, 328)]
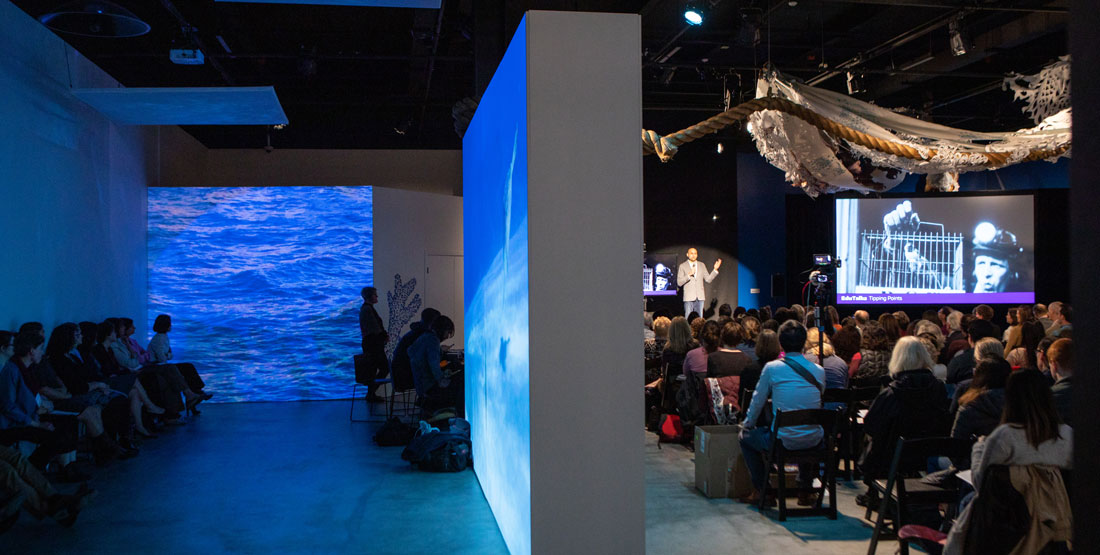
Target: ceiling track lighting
[(958, 39)]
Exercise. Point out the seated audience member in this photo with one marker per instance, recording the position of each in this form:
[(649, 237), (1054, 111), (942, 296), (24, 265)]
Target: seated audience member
[(1013, 324), (846, 342), (960, 342), (7, 348), (123, 383), (434, 385), (1030, 435), (862, 318), (799, 312), (903, 321), (33, 328), (726, 311), (913, 405), (19, 411), (160, 352), (1061, 316), (692, 317), (1060, 358), (647, 326), (770, 324), (1024, 318), (41, 379), (727, 363), (988, 348), (943, 313), (783, 314), (932, 338), (981, 406), (789, 390), (709, 339), (765, 313), (874, 354), (165, 379), (932, 316), (147, 360), (1025, 355), (834, 317), (767, 350), (962, 366), (1040, 311), (653, 347), (750, 329), (697, 327), (400, 366), (110, 433), (985, 312), (822, 353), (18, 477), (892, 327), (680, 341), (1041, 358)]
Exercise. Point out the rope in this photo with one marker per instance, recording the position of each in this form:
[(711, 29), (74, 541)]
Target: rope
[(667, 146)]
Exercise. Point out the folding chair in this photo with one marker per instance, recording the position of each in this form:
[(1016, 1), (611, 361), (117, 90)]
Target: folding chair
[(850, 429), (779, 456), (903, 486)]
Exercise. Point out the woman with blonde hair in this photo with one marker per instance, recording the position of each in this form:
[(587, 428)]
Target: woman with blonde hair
[(821, 351), (653, 347), (914, 405)]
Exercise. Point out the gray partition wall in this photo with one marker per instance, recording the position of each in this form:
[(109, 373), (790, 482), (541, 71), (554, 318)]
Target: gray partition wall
[(553, 241)]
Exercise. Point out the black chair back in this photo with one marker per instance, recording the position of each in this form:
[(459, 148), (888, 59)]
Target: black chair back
[(911, 455)]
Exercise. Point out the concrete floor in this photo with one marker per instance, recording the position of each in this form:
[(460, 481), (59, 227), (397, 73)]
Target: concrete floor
[(299, 478)]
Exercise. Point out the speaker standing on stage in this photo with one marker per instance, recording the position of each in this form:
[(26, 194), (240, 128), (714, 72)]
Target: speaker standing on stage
[(374, 340), (692, 277)]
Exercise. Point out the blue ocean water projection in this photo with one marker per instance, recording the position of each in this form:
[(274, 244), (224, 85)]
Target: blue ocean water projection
[(496, 299), (262, 284)]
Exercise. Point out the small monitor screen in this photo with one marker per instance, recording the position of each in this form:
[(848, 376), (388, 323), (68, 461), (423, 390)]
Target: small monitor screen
[(936, 250), (659, 274)]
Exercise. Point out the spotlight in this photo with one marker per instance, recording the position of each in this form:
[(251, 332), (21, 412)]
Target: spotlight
[(721, 148), (693, 14), (958, 40)]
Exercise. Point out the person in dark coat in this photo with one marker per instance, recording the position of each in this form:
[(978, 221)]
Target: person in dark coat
[(915, 404), (981, 406), (1060, 358), (961, 367), (400, 367)]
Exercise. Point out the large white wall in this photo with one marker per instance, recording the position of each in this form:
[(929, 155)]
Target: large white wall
[(410, 227), (584, 110), (72, 232)]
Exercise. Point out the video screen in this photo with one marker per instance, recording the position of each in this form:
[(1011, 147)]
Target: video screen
[(936, 250), (262, 284), (659, 274), (498, 368)]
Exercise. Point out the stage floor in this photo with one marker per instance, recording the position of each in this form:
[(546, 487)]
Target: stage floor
[(299, 478)]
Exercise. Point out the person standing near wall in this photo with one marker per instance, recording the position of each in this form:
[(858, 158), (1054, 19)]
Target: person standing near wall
[(692, 277), (374, 342)]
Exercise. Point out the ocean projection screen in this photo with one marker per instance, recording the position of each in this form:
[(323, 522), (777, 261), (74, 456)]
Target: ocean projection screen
[(262, 284), (552, 168), (494, 177), (936, 250)]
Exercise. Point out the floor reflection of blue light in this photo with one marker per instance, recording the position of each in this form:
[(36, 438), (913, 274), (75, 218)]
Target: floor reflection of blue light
[(496, 296)]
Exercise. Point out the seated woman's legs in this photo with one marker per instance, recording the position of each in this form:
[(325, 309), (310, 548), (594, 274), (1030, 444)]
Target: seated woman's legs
[(191, 375)]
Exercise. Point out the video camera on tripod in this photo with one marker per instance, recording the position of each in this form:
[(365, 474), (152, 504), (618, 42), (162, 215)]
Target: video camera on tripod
[(824, 265)]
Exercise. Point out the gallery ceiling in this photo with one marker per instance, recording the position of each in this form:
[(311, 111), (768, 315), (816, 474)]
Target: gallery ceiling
[(384, 77)]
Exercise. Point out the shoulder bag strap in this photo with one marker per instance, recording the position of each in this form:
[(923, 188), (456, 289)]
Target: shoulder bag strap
[(806, 375)]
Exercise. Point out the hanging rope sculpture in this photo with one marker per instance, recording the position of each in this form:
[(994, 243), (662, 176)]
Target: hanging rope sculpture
[(827, 141)]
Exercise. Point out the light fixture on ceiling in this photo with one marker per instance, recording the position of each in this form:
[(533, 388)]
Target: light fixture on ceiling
[(97, 18), (958, 39), (855, 83), (693, 13)]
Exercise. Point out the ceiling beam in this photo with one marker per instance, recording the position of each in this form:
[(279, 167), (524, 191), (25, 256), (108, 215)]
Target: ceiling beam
[(1010, 35), (951, 5)]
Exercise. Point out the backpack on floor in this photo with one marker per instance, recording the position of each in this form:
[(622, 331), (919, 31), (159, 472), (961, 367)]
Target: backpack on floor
[(394, 432), (670, 430), (441, 451)]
